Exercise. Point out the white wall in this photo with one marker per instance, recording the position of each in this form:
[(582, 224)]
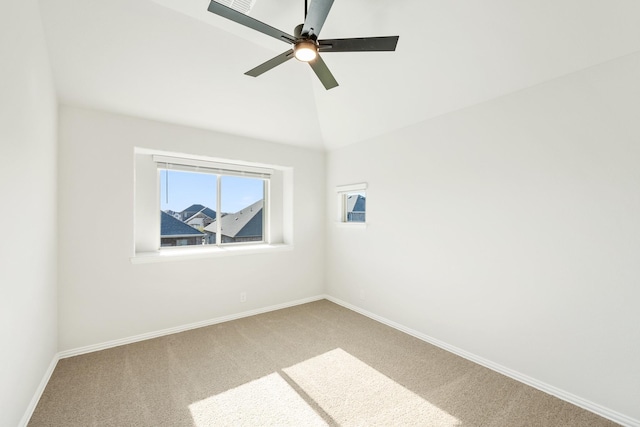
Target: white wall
[(28, 329), (510, 230), (103, 296)]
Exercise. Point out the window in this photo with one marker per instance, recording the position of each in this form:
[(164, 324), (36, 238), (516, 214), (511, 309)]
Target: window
[(352, 203), (207, 203), (197, 184)]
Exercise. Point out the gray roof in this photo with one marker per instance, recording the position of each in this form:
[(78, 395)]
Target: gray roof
[(196, 209), (206, 212), (356, 203), (193, 208), (244, 223), (172, 227)]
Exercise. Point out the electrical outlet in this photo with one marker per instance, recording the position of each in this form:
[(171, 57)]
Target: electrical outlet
[(243, 297), (362, 295)]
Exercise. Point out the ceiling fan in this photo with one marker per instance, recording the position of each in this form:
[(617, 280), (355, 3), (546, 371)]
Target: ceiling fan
[(305, 44)]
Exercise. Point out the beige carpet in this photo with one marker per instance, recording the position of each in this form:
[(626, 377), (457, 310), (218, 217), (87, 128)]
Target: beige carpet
[(316, 364)]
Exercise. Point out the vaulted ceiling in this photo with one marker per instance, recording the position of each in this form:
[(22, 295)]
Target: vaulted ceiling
[(172, 60)]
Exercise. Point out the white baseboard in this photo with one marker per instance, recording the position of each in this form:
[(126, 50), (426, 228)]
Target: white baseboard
[(36, 397), (174, 330), (561, 394), (115, 343)]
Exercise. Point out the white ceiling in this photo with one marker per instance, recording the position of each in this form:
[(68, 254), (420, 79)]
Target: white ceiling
[(172, 60)]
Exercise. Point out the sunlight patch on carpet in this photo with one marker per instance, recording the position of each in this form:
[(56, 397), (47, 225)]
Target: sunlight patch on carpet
[(267, 401), (353, 393)]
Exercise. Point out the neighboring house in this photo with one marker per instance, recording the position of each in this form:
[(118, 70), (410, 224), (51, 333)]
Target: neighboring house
[(174, 214), (356, 208), (195, 209), (174, 232), (201, 219), (243, 226)]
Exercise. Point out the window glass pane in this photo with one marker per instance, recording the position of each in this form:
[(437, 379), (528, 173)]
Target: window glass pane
[(242, 201), (187, 205), (355, 206)]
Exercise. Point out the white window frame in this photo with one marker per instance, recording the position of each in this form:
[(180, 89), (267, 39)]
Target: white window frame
[(342, 192), (279, 232), (220, 170)]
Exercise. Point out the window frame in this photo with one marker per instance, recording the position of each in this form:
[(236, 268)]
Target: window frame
[(219, 170), (145, 220), (343, 192)]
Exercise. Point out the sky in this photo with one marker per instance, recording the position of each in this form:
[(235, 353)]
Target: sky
[(188, 188)]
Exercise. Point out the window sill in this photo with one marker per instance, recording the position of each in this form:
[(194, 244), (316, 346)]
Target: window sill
[(182, 254)]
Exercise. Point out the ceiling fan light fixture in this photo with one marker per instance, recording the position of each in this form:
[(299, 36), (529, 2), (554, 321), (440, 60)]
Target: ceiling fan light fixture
[(305, 50)]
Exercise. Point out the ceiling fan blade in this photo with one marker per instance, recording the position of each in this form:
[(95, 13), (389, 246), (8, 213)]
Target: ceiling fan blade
[(361, 44), (272, 63), (316, 15), (323, 73), (247, 21)]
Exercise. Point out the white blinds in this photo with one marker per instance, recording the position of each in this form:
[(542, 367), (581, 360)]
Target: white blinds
[(203, 166)]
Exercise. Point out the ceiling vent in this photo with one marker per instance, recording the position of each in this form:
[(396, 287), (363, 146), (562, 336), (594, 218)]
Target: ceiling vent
[(243, 6)]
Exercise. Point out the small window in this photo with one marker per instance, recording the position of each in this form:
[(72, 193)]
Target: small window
[(355, 207), (203, 203), (353, 203)]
